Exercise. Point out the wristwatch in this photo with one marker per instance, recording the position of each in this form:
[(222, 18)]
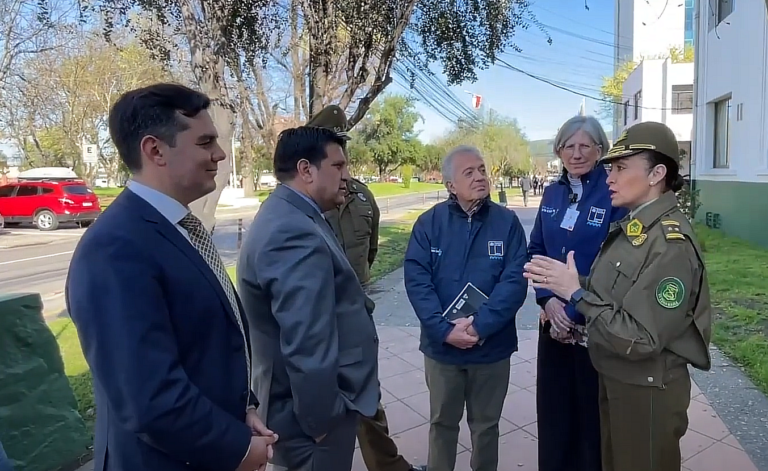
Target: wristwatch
[(576, 296)]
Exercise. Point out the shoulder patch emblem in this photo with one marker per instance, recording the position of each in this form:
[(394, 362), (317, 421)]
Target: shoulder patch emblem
[(634, 228), (362, 197), (670, 293), (638, 241)]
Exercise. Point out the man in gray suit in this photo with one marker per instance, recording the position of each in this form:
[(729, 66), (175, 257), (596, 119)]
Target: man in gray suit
[(315, 349)]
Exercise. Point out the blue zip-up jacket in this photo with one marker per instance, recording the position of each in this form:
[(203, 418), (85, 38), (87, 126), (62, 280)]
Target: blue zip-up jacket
[(595, 216), (447, 250)]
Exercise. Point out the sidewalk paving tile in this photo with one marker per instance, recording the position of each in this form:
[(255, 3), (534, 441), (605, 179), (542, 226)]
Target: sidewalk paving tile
[(707, 446)]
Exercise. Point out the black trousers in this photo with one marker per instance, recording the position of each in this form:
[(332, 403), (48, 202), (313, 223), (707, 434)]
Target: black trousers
[(567, 404)]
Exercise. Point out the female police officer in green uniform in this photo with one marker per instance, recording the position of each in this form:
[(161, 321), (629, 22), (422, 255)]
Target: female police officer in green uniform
[(647, 305)]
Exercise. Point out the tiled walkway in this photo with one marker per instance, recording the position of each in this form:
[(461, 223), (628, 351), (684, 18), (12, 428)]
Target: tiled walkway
[(708, 445)]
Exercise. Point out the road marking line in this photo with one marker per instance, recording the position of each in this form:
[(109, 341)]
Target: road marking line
[(40, 233), (37, 258)]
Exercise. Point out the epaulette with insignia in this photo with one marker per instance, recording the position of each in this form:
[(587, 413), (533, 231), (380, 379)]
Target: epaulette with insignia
[(672, 230)]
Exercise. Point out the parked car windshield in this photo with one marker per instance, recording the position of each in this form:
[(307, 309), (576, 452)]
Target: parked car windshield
[(77, 190)]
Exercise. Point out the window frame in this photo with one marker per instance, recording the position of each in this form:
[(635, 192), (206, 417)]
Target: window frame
[(721, 149)]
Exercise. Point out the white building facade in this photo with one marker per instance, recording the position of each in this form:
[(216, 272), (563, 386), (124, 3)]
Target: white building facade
[(649, 29), (730, 145), (659, 90)]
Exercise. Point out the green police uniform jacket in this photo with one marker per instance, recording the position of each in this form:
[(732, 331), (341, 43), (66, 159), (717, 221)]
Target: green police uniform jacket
[(647, 299), (356, 225)]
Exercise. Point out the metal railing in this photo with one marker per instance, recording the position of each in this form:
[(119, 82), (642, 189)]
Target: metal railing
[(392, 203)]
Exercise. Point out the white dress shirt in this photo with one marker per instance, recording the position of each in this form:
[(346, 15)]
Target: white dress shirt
[(171, 209)]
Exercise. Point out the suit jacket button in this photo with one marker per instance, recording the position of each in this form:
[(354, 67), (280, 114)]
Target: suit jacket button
[(650, 379), (245, 395)]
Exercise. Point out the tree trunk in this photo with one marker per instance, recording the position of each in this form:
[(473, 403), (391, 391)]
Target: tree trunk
[(298, 72), (205, 207), (207, 62), (247, 173)]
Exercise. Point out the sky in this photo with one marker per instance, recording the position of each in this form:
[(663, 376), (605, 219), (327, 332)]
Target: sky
[(580, 55)]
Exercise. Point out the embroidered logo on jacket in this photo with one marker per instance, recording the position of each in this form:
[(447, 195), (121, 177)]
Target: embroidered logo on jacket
[(596, 216), (495, 249)]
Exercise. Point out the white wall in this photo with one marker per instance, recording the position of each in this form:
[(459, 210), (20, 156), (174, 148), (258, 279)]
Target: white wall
[(655, 78), (645, 28), (731, 61)]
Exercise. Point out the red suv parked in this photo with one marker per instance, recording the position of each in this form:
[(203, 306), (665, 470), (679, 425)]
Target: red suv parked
[(46, 203)]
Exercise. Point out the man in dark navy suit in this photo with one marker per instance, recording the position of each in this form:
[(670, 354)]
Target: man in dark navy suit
[(158, 318)]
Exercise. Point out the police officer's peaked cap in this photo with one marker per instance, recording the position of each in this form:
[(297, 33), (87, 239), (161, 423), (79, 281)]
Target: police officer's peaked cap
[(644, 136), (331, 117)]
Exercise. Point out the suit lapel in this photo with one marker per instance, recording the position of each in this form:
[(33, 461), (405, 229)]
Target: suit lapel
[(325, 228), (172, 234)]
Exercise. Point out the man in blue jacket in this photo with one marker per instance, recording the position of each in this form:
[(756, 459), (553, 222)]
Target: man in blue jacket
[(467, 239)]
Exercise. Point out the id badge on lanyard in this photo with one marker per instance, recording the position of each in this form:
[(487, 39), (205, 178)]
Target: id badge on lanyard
[(569, 220)]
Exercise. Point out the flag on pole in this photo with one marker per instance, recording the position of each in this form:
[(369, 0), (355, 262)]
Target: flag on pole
[(476, 101)]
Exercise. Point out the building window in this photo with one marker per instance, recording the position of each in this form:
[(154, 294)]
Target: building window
[(690, 27), (724, 8), (682, 99), (638, 103), (722, 134), (626, 112)]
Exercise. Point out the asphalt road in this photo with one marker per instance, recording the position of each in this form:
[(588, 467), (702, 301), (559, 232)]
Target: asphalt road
[(34, 261)]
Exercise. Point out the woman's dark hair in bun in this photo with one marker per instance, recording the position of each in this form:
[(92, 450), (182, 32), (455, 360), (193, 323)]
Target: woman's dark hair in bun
[(673, 181)]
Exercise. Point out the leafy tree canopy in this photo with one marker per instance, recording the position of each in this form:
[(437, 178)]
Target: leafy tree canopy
[(386, 136), (501, 141)]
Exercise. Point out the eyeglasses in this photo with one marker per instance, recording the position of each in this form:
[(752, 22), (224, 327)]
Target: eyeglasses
[(584, 149)]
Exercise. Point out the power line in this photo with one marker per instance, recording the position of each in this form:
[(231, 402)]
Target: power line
[(506, 65)]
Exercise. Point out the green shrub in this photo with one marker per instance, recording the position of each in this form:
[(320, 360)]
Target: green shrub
[(407, 175)]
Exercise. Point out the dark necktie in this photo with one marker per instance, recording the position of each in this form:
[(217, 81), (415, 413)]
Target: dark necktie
[(203, 242)]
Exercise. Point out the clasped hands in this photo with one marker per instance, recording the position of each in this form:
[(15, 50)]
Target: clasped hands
[(463, 335), (262, 440)]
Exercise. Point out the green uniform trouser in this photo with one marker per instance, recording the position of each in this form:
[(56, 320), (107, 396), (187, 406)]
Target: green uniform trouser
[(641, 426), (482, 388), (378, 449)]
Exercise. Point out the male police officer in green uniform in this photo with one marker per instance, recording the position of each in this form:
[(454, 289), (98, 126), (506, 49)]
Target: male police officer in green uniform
[(356, 225)]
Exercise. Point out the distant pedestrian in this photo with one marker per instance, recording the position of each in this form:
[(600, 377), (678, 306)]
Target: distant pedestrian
[(467, 239), (525, 186), (535, 183)]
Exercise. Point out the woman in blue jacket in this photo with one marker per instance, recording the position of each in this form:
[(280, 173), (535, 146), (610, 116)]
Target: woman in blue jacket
[(574, 215)]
